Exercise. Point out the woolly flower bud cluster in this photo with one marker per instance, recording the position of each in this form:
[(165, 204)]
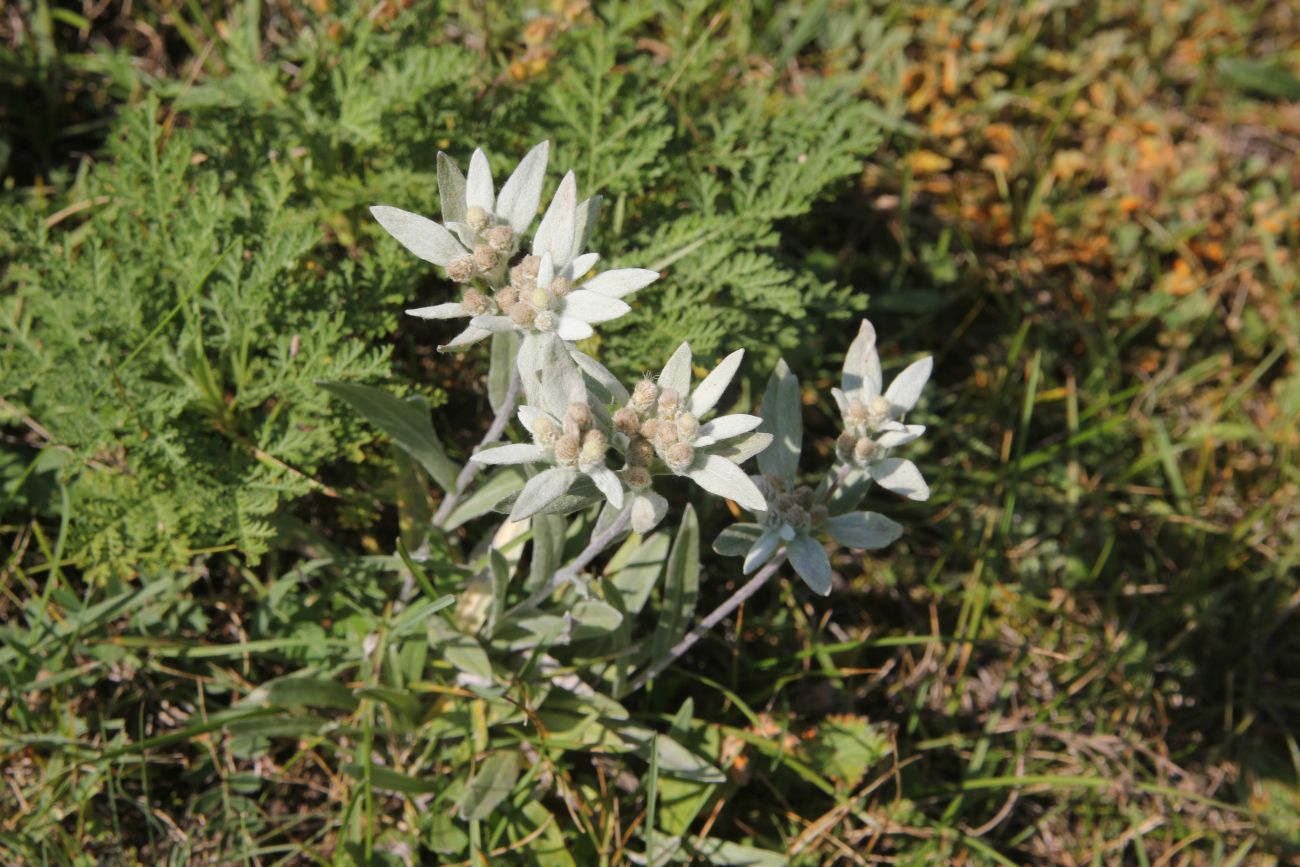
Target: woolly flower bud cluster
[(490, 247), (527, 304), (862, 421), (480, 236), (794, 507), (657, 423)]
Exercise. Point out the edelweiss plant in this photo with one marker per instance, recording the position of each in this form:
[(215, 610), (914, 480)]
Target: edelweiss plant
[(795, 515), (479, 237), (593, 470)]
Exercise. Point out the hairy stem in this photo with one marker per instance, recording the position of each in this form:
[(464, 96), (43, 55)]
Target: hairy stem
[(570, 570), (702, 628), (471, 468)]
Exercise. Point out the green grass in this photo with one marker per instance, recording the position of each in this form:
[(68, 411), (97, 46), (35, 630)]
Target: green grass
[(1083, 651)]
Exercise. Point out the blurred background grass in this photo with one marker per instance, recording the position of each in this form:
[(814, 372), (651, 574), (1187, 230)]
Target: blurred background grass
[(1085, 650)]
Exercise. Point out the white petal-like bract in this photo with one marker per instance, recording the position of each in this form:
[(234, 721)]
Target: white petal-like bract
[(901, 477), (422, 236), (905, 390), (717, 475), (706, 395)]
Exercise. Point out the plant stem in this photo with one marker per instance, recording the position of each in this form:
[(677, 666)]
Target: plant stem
[(471, 468), (702, 628), (570, 570)]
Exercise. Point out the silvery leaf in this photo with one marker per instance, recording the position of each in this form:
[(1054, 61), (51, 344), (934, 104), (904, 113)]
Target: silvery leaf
[(706, 395), (468, 337), (451, 190), (862, 365), (725, 427), (541, 490), (737, 539), (420, 235), (740, 450), (894, 438), (905, 390), (609, 485), (478, 183), (677, 372), (515, 453), (555, 234), (841, 400), (501, 367), (648, 509), (580, 265), (584, 223), (561, 381), (621, 281), (522, 192), (901, 477), (528, 416), (493, 323), (545, 270), (571, 328), (465, 233), (761, 551), (600, 374), (783, 419), (850, 491), (717, 475), (593, 307), (450, 310), (531, 361), (868, 530), (809, 559)]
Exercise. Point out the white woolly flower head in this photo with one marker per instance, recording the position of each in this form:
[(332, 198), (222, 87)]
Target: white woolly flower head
[(661, 426), (873, 420), (478, 242), (568, 437), (796, 515)]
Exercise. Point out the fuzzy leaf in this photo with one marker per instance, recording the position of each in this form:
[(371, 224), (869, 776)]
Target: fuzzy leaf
[(717, 475), (677, 372), (541, 490), (861, 380), (555, 233), (522, 191), (621, 281), (422, 236), (513, 453), (901, 477), (905, 390), (451, 190), (492, 782), (406, 421), (681, 586), (867, 530), (737, 539), (783, 419), (809, 559), (479, 191), (707, 394)]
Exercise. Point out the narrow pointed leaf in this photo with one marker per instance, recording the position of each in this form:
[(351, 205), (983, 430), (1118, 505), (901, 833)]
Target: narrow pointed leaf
[(861, 378), (809, 559), (737, 539), (717, 475), (541, 490), (479, 192), (522, 192), (492, 782), (901, 477), (681, 586), (905, 390), (451, 190), (422, 236), (783, 419), (707, 394), (866, 530), (677, 372), (406, 421), (621, 281)]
